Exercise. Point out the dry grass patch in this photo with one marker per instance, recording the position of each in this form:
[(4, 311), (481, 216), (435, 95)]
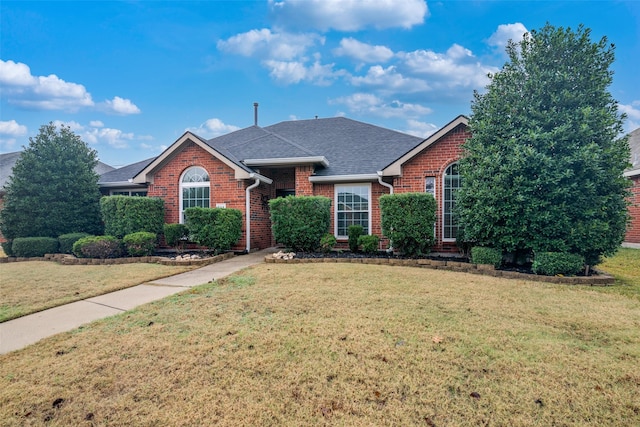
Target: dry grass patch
[(28, 287), (342, 344)]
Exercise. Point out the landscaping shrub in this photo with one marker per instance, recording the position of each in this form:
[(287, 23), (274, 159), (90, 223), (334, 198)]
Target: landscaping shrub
[(6, 247), (354, 232), (141, 243), (34, 246), (484, 255), (369, 243), (298, 222), (215, 228), (124, 215), (327, 242), (407, 220), (175, 235), (97, 247), (66, 241), (554, 263)]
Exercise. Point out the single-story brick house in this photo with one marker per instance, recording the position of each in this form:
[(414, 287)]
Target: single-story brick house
[(633, 231), (351, 162)]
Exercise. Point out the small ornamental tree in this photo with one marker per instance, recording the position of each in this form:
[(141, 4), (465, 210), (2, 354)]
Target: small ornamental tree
[(543, 170), (53, 189)]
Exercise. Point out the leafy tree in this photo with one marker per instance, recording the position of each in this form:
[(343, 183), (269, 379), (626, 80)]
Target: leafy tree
[(53, 189), (543, 168)]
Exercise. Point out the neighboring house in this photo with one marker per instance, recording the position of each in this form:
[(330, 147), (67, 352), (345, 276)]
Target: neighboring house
[(633, 231), (8, 161), (351, 162)]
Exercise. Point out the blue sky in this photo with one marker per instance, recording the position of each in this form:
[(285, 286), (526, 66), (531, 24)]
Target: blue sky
[(130, 77)]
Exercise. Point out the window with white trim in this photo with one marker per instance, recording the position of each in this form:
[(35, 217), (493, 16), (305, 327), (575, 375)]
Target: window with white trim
[(451, 185), (353, 207), (194, 189)]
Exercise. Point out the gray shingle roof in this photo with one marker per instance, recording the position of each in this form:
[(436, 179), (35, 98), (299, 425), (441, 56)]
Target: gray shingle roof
[(124, 173), (351, 147)]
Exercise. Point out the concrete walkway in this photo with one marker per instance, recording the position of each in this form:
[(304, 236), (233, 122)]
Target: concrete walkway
[(23, 331)]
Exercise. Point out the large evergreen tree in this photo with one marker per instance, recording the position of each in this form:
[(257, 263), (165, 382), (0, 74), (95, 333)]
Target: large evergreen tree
[(53, 189), (543, 170)]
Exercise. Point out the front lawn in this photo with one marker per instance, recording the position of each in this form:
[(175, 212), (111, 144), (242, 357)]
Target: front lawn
[(28, 287), (342, 344)]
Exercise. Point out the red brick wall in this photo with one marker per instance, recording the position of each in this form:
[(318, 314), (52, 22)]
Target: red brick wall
[(304, 187), (433, 161), (224, 187), (633, 230)]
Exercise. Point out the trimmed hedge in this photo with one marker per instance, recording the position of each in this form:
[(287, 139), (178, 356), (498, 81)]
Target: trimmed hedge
[(484, 255), (407, 220), (299, 222), (66, 241), (175, 234), (141, 243), (6, 247), (555, 263), (98, 247), (28, 247), (215, 228), (124, 215), (354, 232), (369, 243)]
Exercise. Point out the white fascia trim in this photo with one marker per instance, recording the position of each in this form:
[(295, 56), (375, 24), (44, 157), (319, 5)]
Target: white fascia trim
[(123, 184), (287, 161), (141, 177), (261, 178), (395, 168), (632, 173), (345, 178)]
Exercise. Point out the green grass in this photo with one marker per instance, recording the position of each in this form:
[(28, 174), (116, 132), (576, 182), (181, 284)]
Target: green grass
[(342, 344), (625, 267), (32, 286)]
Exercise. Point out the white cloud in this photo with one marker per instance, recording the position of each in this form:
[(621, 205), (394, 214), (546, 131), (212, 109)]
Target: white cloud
[(420, 129), (633, 115), (113, 137), (506, 32), (12, 128), (212, 128), (41, 92), (9, 130), (96, 124), (267, 44), (293, 72), (121, 106), (366, 103), (73, 125), (362, 51), (349, 15), (390, 80), (456, 68)]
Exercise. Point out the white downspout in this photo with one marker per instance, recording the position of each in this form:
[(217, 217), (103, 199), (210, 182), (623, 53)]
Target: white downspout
[(247, 210), (389, 186)]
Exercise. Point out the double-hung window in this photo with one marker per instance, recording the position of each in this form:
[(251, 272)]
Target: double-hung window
[(353, 207), (452, 182), (194, 189)]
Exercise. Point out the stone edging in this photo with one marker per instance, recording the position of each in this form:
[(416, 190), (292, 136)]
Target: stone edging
[(463, 267), (65, 259)]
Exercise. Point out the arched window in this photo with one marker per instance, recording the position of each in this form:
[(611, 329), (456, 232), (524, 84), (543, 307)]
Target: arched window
[(451, 184), (194, 189)]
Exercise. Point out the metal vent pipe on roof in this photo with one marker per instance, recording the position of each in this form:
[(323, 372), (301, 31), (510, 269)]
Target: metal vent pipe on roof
[(255, 114)]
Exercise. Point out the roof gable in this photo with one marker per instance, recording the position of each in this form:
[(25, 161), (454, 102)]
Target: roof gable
[(395, 168)]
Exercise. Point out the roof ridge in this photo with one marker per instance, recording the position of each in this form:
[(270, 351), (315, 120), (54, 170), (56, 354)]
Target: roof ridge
[(306, 150)]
